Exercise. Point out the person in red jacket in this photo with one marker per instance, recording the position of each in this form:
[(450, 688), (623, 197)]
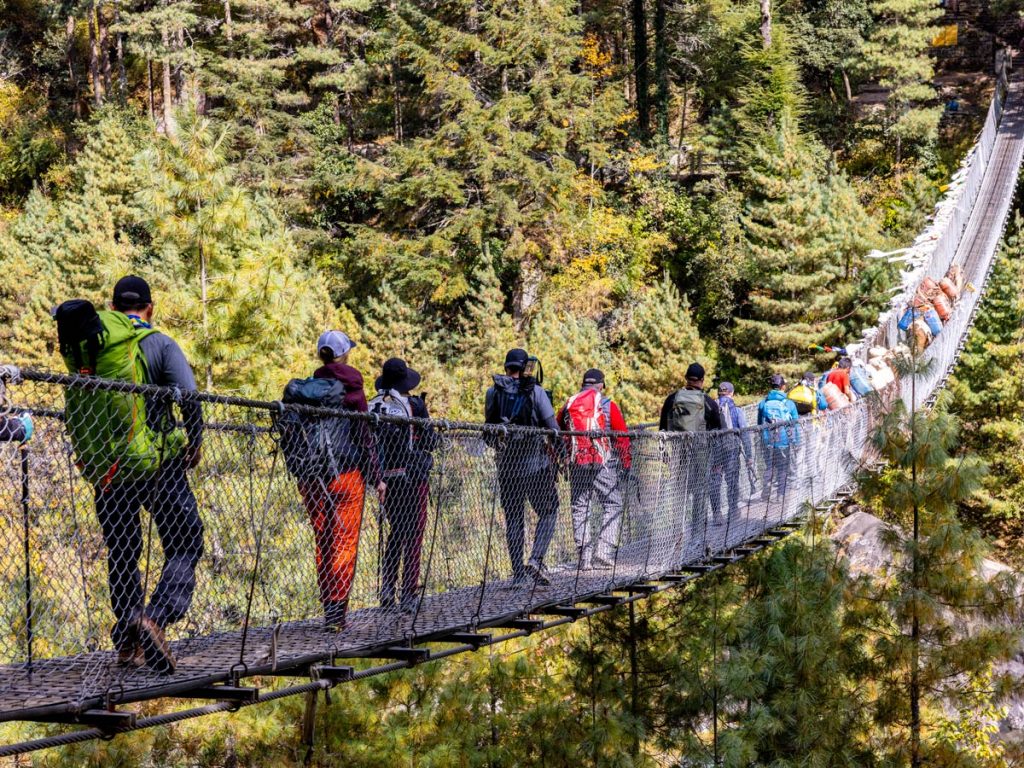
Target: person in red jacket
[(596, 467)]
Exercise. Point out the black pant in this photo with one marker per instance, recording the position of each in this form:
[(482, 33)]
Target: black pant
[(405, 507), (170, 501), (539, 488)]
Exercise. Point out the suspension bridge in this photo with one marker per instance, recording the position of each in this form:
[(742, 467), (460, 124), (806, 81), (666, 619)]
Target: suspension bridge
[(256, 610)]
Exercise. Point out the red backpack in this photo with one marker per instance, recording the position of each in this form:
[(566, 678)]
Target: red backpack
[(583, 413)]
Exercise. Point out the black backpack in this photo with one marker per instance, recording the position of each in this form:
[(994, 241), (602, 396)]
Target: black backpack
[(513, 407), (317, 447)]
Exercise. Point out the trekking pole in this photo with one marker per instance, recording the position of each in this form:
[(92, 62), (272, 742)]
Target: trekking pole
[(28, 570)]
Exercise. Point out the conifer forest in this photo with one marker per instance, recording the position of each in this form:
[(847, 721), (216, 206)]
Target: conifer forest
[(629, 185)]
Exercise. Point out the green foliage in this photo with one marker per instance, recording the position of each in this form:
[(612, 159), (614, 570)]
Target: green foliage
[(937, 622), (807, 235), (656, 341), (988, 388), (896, 56)]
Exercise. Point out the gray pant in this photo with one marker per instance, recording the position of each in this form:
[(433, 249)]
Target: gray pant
[(600, 481)]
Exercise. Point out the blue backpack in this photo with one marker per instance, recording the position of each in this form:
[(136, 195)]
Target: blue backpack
[(775, 412)]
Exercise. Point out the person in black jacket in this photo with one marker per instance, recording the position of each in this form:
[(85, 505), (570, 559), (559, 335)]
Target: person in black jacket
[(16, 429), (406, 462), (681, 412), (524, 462)]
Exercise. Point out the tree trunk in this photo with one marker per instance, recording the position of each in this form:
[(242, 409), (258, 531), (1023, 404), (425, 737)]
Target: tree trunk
[(634, 681), (179, 71), (168, 95), (684, 108), (122, 75), (149, 89), (643, 121), (228, 32), (661, 68), (103, 36), (395, 86), (72, 75), (94, 57), (766, 23), (846, 86), (204, 298)]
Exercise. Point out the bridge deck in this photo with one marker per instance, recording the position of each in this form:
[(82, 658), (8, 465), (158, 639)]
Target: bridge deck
[(54, 688)]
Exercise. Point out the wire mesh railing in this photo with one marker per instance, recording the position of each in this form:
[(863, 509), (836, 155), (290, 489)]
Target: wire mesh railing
[(296, 534), (241, 551)]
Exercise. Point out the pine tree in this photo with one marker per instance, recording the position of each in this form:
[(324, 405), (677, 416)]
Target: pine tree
[(654, 344), (936, 624), (567, 345), (486, 332), (896, 55), (805, 235), (790, 670), (227, 265), (515, 123)]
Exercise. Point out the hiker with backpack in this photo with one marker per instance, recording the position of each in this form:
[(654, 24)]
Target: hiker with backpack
[(129, 447), (733, 448), (526, 469), (690, 410), (779, 414), (840, 376), (332, 458), (806, 397), (405, 460), (596, 466)]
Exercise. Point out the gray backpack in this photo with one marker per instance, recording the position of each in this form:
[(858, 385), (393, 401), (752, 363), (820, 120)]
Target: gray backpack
[(687, 411)]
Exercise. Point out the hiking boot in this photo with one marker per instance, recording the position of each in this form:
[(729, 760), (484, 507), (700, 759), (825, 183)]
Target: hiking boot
[(537, 573), (131, 655), (335, 614), (155, 649)]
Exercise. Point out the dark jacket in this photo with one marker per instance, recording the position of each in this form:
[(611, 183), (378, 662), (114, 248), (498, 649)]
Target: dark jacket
[(167, 366), (524, 454), (712, 416), (355, 400), (11, 430)]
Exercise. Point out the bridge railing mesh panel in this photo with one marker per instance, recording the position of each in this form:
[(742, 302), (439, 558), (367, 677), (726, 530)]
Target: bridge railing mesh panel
[(267, 550), (476, 524)]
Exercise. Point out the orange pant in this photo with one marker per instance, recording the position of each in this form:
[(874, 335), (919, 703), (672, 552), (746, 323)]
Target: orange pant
[(336, 513)]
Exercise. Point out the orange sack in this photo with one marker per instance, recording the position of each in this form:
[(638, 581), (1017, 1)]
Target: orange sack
[(834, 396), (949, 288), (942, 306)]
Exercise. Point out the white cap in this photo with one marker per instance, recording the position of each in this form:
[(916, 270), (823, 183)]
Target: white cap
[(337, 342)]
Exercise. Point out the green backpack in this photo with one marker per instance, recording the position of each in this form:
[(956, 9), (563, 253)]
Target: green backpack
[(110, 434), (687, 411)]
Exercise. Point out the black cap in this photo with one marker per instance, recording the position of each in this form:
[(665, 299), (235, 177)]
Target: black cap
[(778, 382), (695, 372), (395, 374), (516, 358), (132, 291), (593, 376)]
